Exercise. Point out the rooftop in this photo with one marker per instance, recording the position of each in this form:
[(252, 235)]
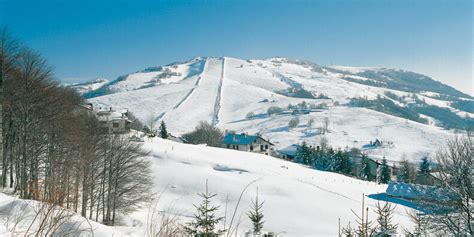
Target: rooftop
[(239, 139), (290, 150)]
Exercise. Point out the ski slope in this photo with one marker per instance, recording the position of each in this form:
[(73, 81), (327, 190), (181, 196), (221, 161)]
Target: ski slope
[(185, 115), (222, 91)]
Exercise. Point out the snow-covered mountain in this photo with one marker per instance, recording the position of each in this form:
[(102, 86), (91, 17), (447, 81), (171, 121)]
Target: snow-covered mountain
[(407, 110), (87, 87)]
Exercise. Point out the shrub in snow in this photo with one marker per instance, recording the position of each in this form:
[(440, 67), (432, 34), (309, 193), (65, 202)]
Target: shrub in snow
[(293, 122), (204, 133), (250, 115), (274, 110), (310, 122)]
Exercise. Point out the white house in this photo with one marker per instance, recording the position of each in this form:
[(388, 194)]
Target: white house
[(249, 143), (112, 121)]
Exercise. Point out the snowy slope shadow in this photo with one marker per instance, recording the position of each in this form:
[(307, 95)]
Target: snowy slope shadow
[(224, 168)]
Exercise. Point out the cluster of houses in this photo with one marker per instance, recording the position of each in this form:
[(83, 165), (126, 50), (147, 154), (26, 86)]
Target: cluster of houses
[(117, 122), (110, 121)]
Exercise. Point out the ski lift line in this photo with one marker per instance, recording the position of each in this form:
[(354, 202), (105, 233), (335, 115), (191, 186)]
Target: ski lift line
[(186, 97), (217, 105)]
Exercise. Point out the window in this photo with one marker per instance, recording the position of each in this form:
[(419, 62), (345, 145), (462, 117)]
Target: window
[(115, 125), (261, 147), (266, 147)]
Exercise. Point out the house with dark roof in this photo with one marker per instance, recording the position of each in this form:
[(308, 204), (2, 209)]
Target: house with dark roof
[(249, 143), (289, 153)]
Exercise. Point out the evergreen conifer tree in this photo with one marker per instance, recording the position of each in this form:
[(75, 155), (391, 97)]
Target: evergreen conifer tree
[(403, 174), (365, 169), (383, 172), (424, 166), (304, 154), (346, 164), (163, 131), (385, 226), (256, 215), (206, 219), (336, 162)]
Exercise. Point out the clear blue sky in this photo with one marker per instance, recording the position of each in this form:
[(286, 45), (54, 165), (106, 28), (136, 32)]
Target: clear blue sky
[(92, 38)]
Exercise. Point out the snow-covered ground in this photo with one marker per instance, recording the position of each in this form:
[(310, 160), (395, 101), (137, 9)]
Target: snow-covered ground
[(225, 90), (83, 88), (299, 201)]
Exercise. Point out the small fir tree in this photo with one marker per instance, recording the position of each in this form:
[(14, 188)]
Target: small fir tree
[(303, 154), (403, 174), (206, 219), (385, 226), (383, 172), (366, 174), (424, 166), (256, 215), (346, 164), (163, 131), (348, 231)]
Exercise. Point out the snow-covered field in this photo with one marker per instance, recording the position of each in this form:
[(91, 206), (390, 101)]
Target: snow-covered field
[(224, 90), (299, 201)]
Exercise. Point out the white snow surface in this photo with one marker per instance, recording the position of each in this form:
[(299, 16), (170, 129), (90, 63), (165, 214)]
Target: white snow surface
[(83, 88), (298, 201), (224, 90)]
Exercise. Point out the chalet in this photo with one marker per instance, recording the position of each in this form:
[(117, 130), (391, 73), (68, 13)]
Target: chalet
[(249, 143), (289, 153), (175, 138), (428, 179), (425, 198), (112, 121), (373, 165)]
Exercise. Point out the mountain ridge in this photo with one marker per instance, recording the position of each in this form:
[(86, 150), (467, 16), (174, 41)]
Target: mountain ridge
[(349, 70), (226, 91)]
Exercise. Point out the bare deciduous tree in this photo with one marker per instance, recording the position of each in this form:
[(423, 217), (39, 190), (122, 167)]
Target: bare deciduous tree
[(53, 150), (204, 133), (456, 173)]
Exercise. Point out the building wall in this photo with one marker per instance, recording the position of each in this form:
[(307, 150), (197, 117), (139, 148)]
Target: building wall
[(261, 146), (115, 126), (236, 147)]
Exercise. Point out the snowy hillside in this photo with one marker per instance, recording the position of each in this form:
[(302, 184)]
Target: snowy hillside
[(86, 87), (298, 201), (223, 91)]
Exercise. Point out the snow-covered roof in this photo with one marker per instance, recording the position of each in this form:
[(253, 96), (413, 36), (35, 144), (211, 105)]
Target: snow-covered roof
[(239, 139), (109, 115), (417, 191)]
